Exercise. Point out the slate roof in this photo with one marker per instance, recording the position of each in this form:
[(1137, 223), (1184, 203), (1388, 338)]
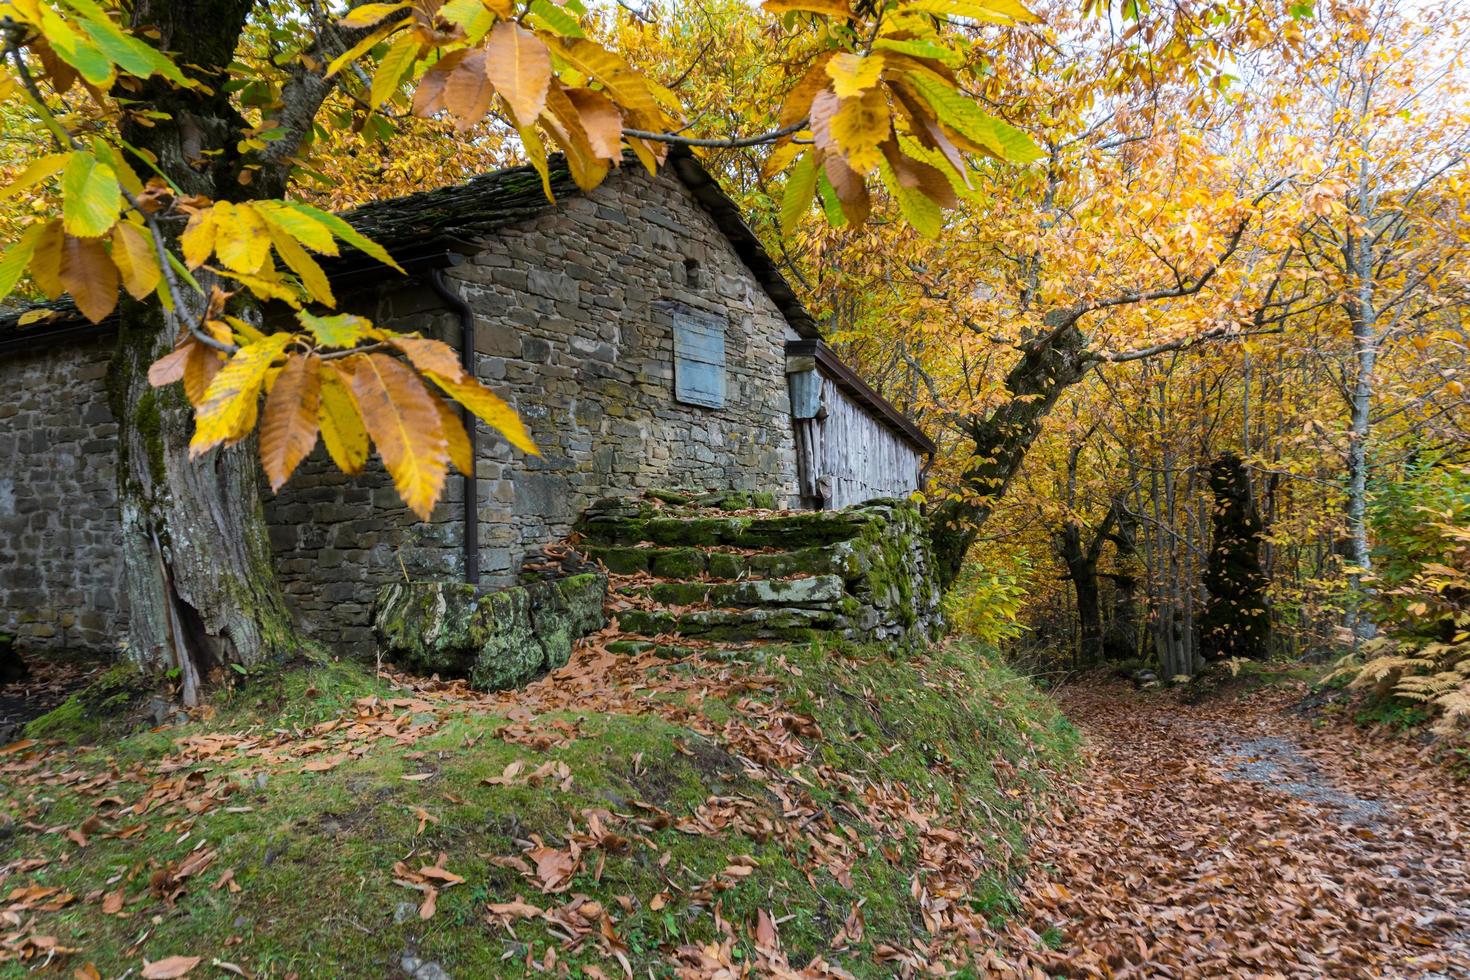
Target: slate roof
[(419, 230)]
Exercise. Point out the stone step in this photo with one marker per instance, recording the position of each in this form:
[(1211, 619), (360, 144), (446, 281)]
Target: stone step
[(732, 624), (816, 591), (787, 532), (693, 563)]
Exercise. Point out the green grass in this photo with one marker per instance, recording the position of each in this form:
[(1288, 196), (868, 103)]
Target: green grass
[(313, 852)]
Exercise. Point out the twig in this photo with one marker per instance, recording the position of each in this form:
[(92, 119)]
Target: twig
[(725, 144)]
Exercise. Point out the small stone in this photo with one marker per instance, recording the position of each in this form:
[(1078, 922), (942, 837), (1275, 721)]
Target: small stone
[(403, 912)]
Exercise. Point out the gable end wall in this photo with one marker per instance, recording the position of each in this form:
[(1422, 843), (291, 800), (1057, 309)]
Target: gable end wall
[(575, 331)]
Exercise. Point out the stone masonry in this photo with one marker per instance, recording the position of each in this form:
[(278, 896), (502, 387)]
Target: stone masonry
[(574, 328), (574, 307), (59, 527)]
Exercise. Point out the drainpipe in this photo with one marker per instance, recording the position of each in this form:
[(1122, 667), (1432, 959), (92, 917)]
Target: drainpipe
[(471, 484)]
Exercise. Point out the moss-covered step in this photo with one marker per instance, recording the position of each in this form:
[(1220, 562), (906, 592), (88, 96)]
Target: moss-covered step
[(691, 563), (787, 531), (498, 639), (816, 592), (733, 624)]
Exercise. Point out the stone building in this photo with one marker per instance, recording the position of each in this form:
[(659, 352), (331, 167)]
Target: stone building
[(642, 332)]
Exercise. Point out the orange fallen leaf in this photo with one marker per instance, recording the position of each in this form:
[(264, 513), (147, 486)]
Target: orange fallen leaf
[(169, 968)]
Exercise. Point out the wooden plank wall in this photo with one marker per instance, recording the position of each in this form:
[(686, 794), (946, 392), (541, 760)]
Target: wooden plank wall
[(857, 457)]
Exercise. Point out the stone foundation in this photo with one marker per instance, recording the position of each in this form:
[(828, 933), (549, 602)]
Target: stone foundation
[(498, 639)]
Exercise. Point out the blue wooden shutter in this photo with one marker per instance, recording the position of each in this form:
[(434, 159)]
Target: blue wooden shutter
[(699, 358)]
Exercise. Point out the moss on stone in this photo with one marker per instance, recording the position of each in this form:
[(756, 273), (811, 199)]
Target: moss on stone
[(497, 639), (621, 561), (681, 563)]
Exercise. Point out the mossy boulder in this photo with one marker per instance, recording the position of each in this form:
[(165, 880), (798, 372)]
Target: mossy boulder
[(497, 639)]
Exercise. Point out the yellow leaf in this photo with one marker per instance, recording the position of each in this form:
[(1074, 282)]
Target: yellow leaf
[(601, 121), (827, 8), (428, 97), (468, 92), (318, 287), (395, 64), (169, 968), (801, 184), (859, 127), (565, 125), (300, 225), (197, 241), (230, 403), (399, 414), (91, 196), (798, 102), (342, 430), (269, 286), (536, 154), (363, 47), (518, 64), (13, 263), (201, 364), (430, 355), (288, 428), (338, 330), (456, 438), (39, 170), (242, 240), (88, 274), (370, 13), (489, 406), (853, 74), (918, 210), (625, 86), (46, 260), (135, 258), (989, 11)]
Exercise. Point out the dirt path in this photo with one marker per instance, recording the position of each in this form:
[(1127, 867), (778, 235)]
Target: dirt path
[(1234, 839)]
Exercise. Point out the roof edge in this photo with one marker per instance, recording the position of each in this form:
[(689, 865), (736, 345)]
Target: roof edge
[(848, 380), (731, 222)]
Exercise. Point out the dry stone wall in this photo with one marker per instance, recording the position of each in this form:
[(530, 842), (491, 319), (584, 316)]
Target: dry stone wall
[(60, 533), (865, 573), (574, 319)]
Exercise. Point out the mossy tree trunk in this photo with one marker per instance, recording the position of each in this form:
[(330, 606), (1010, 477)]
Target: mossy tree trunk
[(201, 586), (202, 590), (998, 442), (1121, 636), (1236, 620)]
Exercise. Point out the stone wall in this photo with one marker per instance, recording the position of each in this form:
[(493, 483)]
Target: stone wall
[(864, 572), (574, 328), (60, 568)]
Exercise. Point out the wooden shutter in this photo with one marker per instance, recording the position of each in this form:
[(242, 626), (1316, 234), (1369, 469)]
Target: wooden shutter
[(699, 358)]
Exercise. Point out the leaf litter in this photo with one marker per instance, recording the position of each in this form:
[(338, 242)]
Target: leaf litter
[(1235, 838), (1166, 865)]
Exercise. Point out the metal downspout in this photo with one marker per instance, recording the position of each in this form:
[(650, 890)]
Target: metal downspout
[(471, 482)]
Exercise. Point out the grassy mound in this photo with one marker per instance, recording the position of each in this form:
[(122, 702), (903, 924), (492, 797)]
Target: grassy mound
[(805, 804)]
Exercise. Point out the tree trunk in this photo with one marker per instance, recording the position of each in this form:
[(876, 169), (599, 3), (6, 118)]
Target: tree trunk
[(1120, 640), (1236, 621), (1000, 441), (202, 588), (1360, 259), (1081, 565)]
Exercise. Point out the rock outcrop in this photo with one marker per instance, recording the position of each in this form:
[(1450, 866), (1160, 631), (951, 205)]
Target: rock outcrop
[(497, 638)]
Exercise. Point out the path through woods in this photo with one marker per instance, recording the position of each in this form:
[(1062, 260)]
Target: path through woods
[(1235, 839)]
